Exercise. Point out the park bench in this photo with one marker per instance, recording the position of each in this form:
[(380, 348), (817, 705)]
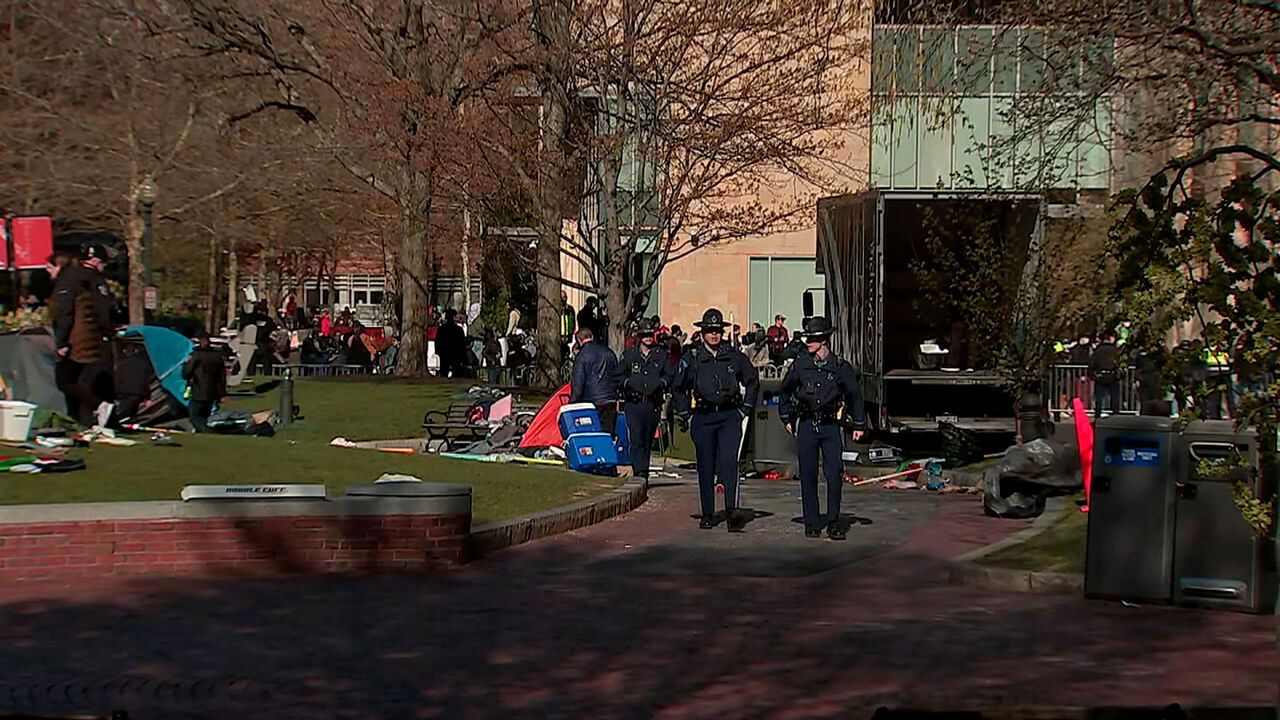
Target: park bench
[(463, 423)]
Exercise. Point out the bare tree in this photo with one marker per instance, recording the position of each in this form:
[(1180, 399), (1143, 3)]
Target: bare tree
[(697, 124), (385, 86)]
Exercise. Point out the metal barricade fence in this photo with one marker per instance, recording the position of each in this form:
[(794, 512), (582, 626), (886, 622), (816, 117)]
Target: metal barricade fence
[(1066, 382), (301, 370), (772, 372)]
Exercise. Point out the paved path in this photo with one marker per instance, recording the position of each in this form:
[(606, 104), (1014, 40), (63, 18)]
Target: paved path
[(766, 624)]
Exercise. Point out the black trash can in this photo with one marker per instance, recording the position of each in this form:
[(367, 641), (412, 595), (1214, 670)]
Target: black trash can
[(1218, 561), (1136, 464), (771, 446)]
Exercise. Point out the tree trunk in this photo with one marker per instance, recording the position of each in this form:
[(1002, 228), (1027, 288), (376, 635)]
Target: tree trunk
[(133, 248), (613, 288), (233, 286), (415, 272), (211, 298), (551, 18), (260, 277), (466, 261)]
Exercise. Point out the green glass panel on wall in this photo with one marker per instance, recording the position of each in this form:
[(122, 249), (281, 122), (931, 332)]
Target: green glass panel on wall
[(881, 150), (758, 287), (905, 155), (938, 60), (1032, 51), (1000, 169), (935, 143), (907, 60), (882, 60), (972, 129), (1006, 61), (1094, 154), (1097, 64), (791, 277), (973, 60)]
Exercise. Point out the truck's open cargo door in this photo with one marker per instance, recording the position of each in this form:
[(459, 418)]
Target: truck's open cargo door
[(850, 255)]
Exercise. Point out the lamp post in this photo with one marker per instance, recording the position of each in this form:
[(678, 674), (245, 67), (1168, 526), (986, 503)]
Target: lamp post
[(147, 193)]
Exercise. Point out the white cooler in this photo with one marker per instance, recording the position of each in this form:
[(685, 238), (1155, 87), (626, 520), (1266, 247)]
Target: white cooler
[(15, 419)]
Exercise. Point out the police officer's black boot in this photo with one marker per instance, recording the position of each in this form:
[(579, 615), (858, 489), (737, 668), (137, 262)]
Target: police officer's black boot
[(812, 531), (836, 532), (736, 519), (707, 522)]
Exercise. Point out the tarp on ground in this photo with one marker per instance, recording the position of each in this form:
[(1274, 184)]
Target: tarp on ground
[(27, 363), (544, 431)]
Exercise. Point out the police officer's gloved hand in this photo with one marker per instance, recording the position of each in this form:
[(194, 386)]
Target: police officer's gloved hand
[(744, 410), (682, 422)]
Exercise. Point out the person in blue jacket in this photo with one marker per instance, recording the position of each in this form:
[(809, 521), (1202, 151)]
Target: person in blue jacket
[(595, 379)]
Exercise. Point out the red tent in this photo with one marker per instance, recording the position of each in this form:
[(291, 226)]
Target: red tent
[(544, 431)]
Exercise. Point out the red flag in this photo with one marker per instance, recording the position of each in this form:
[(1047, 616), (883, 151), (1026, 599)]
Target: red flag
[(1084, 439), (32, 242)]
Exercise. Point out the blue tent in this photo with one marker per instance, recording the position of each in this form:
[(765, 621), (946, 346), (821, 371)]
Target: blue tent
[(168, 351)]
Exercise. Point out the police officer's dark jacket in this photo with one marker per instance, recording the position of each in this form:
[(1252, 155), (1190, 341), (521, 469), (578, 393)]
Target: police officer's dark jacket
[(645, 377), (813, 390), (719, 380), (82, 312), (595, 375)]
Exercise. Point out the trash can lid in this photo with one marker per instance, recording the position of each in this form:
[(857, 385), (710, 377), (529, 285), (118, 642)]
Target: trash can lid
[(409, 489), (1147, 423)]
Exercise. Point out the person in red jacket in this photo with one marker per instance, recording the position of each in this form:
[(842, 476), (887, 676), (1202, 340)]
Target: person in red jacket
[(777, 337)]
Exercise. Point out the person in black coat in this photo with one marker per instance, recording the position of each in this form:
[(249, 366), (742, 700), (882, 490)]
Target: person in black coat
[(451, 346), (1105, 374), (206, 374)]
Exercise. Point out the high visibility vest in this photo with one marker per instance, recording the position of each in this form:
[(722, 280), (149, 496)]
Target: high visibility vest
[(1216, 360), (566, 322)]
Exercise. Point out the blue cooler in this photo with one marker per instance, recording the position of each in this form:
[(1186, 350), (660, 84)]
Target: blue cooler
[(578, 418), (592, 453), (624, 447)]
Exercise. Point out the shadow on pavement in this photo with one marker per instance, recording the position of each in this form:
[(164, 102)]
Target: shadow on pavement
[(521, 638)]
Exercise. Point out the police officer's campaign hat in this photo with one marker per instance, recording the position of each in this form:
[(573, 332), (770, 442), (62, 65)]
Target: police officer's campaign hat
[(712, 320), (817, 327), (646, 327)]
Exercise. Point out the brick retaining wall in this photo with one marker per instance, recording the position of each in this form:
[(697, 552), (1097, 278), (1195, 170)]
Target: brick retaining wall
[(228, 538)]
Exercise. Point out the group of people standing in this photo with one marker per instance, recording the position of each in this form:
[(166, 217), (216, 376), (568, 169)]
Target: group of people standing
[(714, 389)]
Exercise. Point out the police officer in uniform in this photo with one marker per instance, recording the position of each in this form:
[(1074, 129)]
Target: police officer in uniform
[(646, 374), (715, 392), (820, 396), (82, 328)]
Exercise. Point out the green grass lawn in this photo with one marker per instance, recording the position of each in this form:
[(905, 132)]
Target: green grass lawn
[(300, 454), (1058, 549)]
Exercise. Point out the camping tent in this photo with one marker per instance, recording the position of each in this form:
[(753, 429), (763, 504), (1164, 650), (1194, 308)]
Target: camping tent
[(544, 431), (147, 372), (26, 363)]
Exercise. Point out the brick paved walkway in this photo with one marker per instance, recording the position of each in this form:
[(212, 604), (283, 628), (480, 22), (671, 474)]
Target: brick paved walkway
[(588, 625)]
